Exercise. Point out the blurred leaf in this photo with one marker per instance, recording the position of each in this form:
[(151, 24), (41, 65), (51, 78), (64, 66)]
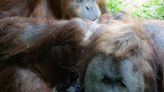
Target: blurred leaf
[(153, 9)]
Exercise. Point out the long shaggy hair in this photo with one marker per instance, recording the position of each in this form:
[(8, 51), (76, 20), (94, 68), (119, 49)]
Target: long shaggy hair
[(51, 58), (128, 40)]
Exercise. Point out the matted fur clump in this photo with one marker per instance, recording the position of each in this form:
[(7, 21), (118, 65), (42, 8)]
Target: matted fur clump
[(38, 55), (126, 41)]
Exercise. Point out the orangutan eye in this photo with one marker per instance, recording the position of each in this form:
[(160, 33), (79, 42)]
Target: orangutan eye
[(107, 80)]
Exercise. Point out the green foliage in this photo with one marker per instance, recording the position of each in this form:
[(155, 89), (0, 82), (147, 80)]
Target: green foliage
[(152, 9), (114, 5)]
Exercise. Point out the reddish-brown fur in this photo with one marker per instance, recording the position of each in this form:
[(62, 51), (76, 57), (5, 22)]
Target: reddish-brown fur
[(121, 43), (36, 8), (41, 65), (18, 7), (102, 6), (42, 9)]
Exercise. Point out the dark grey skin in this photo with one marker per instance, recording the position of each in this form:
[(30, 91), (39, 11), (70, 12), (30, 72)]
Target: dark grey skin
[(88, 9), (155, 29), (105, 74)]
